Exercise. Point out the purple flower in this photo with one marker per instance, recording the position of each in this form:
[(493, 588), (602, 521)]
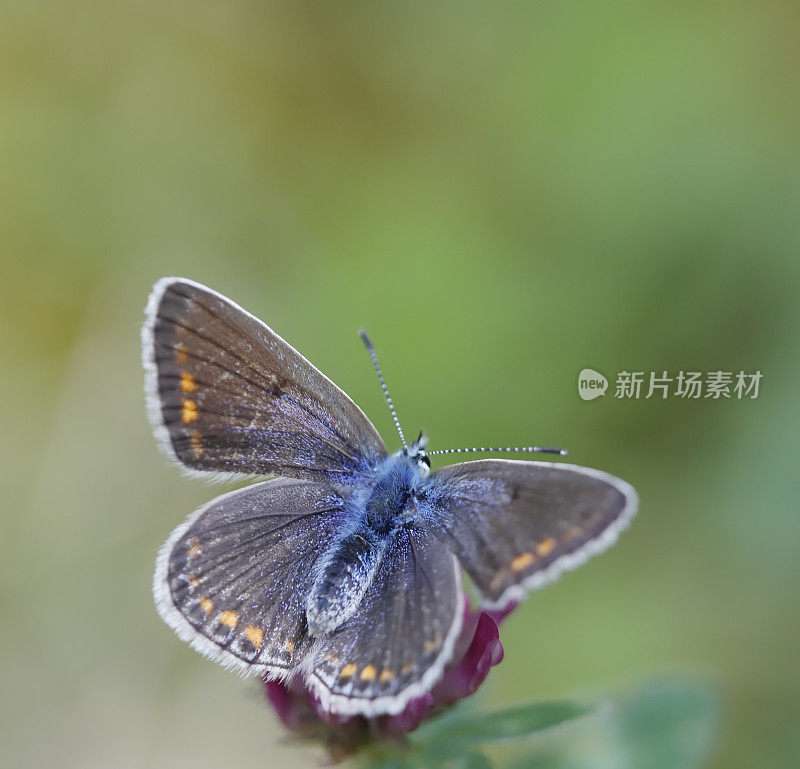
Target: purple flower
[(476, 651)]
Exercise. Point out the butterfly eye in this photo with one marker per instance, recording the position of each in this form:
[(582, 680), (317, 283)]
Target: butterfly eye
[(424, 459)]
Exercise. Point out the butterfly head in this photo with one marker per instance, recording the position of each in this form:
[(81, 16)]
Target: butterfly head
[(416, 453)]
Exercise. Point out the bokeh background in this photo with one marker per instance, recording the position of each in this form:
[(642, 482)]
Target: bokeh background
[(503, 195)]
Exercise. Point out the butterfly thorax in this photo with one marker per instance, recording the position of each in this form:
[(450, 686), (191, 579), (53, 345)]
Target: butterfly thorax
[(346, 569)]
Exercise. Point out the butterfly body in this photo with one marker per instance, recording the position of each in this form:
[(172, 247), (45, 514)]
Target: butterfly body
[(378, 510), (345, 567), (391, 500)]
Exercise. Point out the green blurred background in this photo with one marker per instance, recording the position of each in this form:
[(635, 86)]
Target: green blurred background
[(503, 195)]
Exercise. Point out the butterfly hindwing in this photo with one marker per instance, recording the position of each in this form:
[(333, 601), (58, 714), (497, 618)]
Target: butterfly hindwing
[(227, 395), (515, 526), (396, 645), (234, 577)]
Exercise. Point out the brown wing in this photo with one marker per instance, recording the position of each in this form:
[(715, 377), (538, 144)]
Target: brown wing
[(234, 577), (396, 645), (515, 526), (227, 395)]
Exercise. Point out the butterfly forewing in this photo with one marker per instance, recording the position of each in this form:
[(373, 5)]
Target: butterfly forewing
[(233, 579), (396, 645), (517, 525), (228, 395)]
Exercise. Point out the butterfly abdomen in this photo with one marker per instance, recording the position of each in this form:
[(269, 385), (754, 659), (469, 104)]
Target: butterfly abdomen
[(343, 575)]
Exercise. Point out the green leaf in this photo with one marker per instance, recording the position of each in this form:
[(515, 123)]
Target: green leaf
[(469, 761), (385, 761), (508, 724), (661, 725), (421, 758)]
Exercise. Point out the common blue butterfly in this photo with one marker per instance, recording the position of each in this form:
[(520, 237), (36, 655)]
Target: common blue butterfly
[(346, 567)]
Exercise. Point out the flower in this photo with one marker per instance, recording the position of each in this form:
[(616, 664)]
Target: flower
[(476, 651)]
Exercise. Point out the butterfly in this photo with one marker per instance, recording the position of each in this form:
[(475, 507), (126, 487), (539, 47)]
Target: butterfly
[(345, 566)]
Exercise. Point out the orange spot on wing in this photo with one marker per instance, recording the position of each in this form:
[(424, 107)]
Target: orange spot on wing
[(522, 561), (189, 413), (194, 549), (228, 618), (432, 644), (289, 646), (368, 673), (348, 670), (180, 353), (387, 675), (545, 547), (188, 385), (255, 635), (574, 531), (207, 605), (196, 442), (407, 668), (192, 580)]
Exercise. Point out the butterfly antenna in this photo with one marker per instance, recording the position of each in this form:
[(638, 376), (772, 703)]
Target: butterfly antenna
[(510, 449), (372, 354)]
